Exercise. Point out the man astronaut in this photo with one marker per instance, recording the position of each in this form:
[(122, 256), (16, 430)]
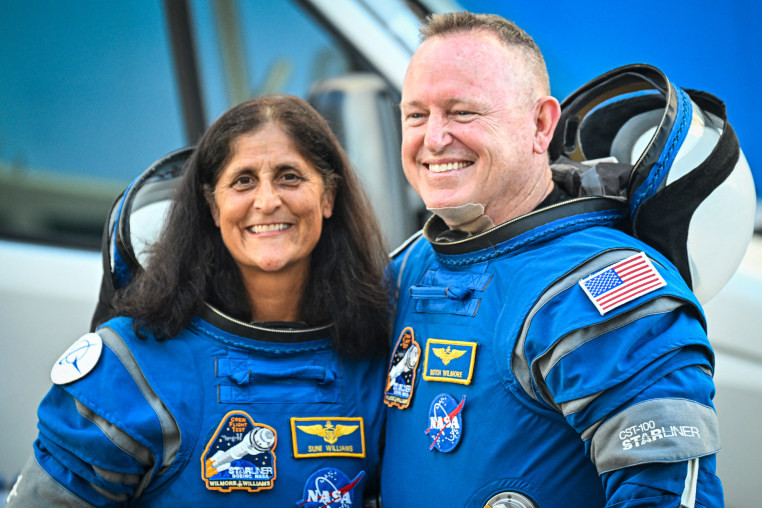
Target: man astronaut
[(578, 372)]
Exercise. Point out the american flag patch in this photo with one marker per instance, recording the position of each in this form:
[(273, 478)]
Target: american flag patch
[(622, 282)]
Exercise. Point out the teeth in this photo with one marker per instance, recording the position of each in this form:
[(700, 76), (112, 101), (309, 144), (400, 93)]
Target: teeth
[(441, 168), (268, 227)]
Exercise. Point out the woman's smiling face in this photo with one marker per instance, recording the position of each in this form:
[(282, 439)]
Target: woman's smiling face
[(269, 203)]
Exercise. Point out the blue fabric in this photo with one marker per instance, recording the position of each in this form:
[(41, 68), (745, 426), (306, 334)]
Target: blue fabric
[(661, 485), (516, 440), (661, 168), (188, 374), (610, 401)]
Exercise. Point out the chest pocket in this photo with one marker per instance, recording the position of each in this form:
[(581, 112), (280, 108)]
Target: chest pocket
[(308, 377), (444, 291)]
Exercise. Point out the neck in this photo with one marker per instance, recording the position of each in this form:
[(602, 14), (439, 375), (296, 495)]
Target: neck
[(527, 199), (276, 296)]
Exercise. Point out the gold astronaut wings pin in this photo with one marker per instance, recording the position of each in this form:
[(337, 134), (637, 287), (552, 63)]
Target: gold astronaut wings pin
[(329, 432), (448, 354)]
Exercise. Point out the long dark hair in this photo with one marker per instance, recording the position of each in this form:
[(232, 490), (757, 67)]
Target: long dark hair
[(189, 264)]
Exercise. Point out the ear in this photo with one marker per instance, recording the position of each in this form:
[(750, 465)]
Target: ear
[(329, 196), (547, 113), (209, 195)]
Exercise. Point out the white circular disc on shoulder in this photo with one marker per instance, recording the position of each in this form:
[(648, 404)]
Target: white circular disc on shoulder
[(78, 360)]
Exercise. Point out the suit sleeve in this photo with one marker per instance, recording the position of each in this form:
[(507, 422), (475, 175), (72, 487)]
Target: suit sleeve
[(675, 462), (99, 442), (636, 384)]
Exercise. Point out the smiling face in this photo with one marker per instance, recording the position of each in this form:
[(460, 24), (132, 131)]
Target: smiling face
[(469, 125), (269, 203)]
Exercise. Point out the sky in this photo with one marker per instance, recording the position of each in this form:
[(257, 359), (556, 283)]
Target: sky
[(701, 44)]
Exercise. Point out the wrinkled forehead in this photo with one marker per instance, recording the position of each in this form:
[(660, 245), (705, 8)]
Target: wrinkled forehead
[(465, 65)]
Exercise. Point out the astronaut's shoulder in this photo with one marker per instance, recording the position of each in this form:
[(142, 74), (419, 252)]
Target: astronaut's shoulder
[(415, 237), (82, 357)]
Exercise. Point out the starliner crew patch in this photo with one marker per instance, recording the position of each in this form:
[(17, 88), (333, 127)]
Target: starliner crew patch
[(329, 487), (445, 422), (240, 455), (328, 437), (451, 361), (78, 360), (400, 382), (622, 282)]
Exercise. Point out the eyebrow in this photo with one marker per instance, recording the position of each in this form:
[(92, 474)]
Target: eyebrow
[(449, 102), (409, 103)]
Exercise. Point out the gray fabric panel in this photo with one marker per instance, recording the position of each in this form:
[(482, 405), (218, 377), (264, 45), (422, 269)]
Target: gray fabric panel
[(124, 478), (117, 436), (519, 363), (656, 430), (35, 488), (169, 426), (117, 498), (576, 405), (590, 431)]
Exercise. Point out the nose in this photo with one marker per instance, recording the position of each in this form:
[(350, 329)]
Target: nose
[(437, 135), (266, 197)]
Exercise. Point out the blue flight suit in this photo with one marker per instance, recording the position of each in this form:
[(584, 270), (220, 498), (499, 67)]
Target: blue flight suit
[(224, 414), (524, 394)]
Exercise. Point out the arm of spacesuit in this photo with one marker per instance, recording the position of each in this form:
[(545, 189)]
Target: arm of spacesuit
[(653, 435), (80, 459), (637, 386), (659, 449), (690, 484), (103, 434)]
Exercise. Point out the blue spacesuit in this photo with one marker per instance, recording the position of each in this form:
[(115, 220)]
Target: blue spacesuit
[(225, 414), (560, 363)]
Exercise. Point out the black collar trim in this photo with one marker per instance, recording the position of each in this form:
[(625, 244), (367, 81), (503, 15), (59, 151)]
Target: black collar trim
[(290, 332), (511, 229)]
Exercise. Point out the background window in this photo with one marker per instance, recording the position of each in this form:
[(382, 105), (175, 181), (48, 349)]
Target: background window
[(78, 121)]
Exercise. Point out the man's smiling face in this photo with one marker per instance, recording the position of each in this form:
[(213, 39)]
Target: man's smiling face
[(467, 123)]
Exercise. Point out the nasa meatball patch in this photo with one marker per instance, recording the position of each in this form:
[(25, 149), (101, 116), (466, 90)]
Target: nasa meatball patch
[(330, 487), (445, 422), (240, 455)]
